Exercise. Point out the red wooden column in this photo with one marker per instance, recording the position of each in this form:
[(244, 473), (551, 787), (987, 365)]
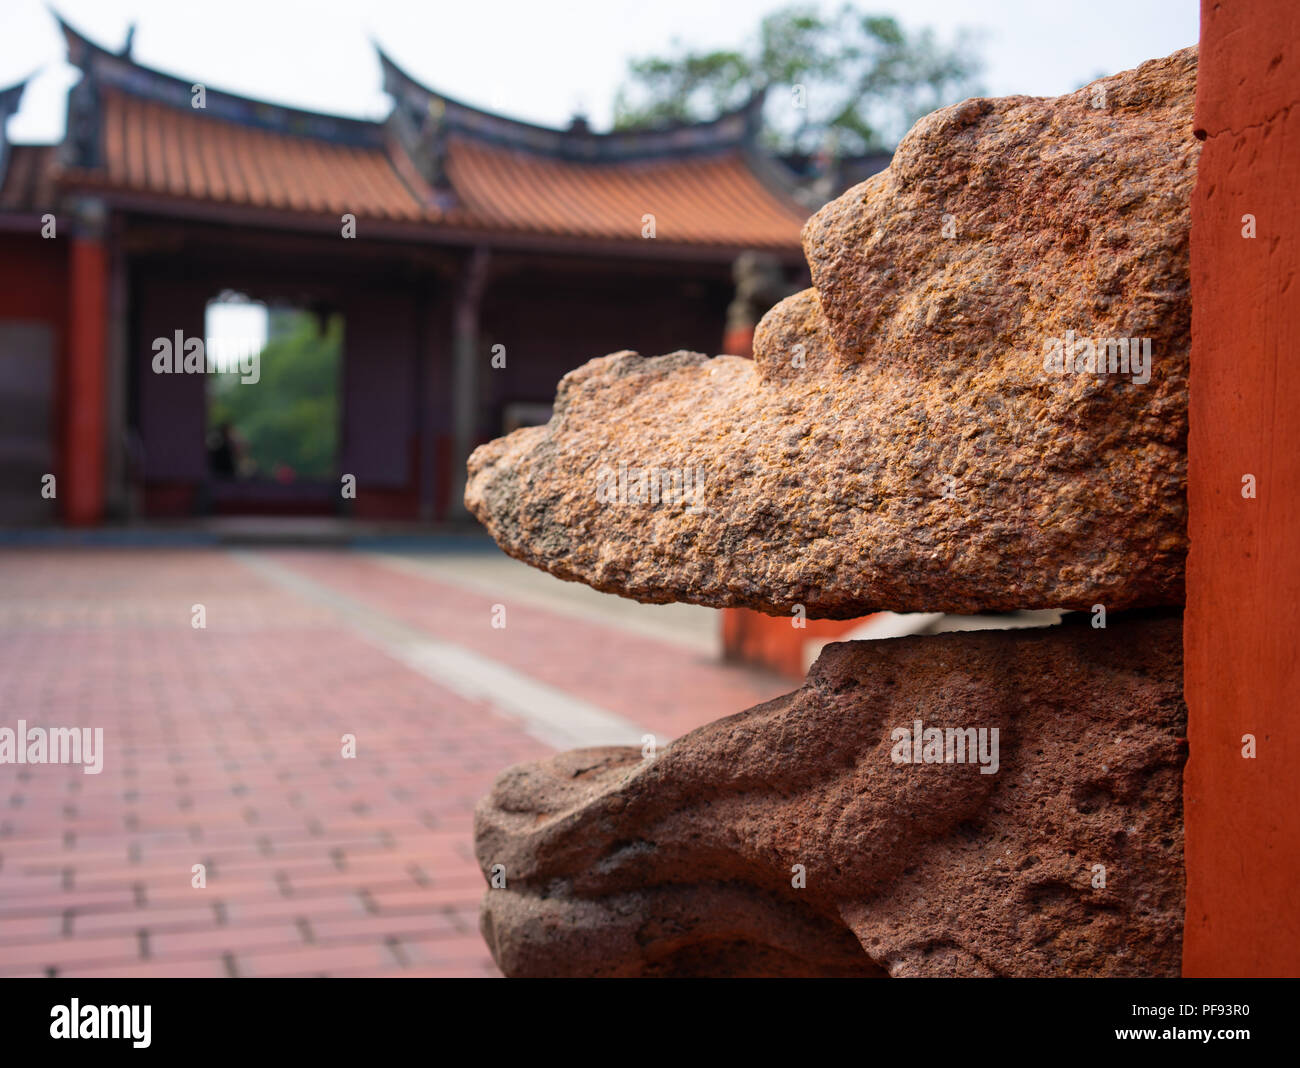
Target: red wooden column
[(83, 481), (1243, 576)]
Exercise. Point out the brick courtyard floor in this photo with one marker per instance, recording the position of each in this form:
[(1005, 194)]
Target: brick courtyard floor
[(222, 747)]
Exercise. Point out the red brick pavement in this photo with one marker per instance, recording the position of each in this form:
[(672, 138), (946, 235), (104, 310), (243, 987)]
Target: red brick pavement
[(222, 748), (649, 682)]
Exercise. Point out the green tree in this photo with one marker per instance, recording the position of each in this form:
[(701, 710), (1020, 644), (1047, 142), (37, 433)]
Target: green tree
[(848, 82), (290, 417)]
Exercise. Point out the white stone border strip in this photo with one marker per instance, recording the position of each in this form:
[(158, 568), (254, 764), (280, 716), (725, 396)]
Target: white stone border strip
[(548, 714)]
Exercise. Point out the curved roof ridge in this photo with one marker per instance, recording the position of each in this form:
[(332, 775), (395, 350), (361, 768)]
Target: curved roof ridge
[(731, 130), (434, 166), (10, 99), (119, 70)]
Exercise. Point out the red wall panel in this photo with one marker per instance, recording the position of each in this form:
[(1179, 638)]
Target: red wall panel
[(1243, 581)]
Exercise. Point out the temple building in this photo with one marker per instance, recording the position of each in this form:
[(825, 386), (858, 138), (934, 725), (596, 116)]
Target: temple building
[(411, 287)]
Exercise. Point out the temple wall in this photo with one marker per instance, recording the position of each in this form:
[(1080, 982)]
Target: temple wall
[(33, 356)]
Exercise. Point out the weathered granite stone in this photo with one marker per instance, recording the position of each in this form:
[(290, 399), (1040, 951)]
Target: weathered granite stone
[(898, 442), (681, 864)]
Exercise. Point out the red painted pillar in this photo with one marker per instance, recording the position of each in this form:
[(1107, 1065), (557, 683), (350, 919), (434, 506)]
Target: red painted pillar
[(1243, 577), (83, 488), (738, 341)]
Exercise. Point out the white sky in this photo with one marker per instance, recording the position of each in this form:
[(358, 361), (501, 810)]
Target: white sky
[(238, 324), (538, 60)]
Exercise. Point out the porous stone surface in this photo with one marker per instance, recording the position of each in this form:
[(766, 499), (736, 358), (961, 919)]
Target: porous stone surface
[(1067, 861), (897, 442)]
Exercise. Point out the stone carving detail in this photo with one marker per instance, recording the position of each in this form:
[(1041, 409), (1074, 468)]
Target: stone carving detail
[(897, 442), (946, 422), (1065, 861)]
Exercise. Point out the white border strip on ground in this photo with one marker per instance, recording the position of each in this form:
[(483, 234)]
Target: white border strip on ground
[(665, 630), (548, 714)]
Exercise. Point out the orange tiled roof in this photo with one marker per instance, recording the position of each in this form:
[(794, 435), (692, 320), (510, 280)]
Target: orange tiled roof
[(149, 147), (714, 200), (152, 148), (28, 179), (475, 172)]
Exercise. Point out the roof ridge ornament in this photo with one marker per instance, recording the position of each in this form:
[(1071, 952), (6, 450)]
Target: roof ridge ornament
[(10, 100), (102, 69), (733, 130)]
